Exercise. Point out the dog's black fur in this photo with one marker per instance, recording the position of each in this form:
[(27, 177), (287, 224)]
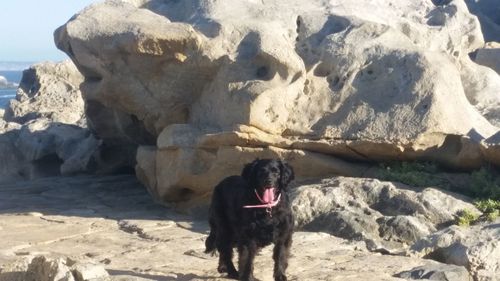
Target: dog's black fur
[(231, 225)]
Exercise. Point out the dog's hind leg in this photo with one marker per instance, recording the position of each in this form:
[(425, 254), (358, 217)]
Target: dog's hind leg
[(210, 244), (226, 255)]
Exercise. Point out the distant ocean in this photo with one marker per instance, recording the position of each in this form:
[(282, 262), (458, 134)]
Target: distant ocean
[(7, 94)]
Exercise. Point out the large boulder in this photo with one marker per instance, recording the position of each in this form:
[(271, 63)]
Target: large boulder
[(215, 84), (49, 90)]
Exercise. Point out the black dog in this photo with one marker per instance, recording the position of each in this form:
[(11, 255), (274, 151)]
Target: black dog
[(250, 212)]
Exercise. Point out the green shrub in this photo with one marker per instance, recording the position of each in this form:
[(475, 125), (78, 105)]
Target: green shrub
[(466, 218), (490, 208), (482, 185)]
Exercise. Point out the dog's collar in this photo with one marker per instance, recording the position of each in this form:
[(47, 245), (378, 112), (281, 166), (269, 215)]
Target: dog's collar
[(267, 206)]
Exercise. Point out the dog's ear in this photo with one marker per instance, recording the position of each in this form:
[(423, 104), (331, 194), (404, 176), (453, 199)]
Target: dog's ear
[(287, 174), (248, 170)]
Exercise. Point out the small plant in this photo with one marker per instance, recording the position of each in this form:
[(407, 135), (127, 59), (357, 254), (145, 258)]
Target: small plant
[(490, 208), (466, 218), (483, 185), (420, 174)]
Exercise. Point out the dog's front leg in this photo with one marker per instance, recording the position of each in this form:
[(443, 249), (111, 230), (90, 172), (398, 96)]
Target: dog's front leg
[(246, 253), (281, 253)]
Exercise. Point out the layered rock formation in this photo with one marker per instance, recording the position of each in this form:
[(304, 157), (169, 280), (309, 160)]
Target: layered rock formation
[(214, 84), (43, 130)]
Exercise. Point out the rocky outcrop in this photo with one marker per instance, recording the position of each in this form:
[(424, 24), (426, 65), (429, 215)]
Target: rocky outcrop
[(387, 216), (42, 148), (42, 132), (48, 90), (309, 82), (67, 149), (475, 248)]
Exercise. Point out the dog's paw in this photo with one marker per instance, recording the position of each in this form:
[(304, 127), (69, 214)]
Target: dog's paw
[(222, 268), (233, 275), (280, 277)]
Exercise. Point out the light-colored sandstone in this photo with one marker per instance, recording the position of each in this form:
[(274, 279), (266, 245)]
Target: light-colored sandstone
[(375, 80)]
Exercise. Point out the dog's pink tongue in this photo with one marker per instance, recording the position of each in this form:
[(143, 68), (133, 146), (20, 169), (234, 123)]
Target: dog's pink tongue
[(268, 195)]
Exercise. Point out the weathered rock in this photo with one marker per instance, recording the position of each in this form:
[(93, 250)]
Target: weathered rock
[(489, 56), (42, 148), (387, 216), (13, 162), (14, 271), (89, 272), (66, 149), (474, 247), (188, 163), (49, 90), (436, 272), (57, 268), (491, 148), (367, 80), (481, 85), (43, 269), (43, 131)]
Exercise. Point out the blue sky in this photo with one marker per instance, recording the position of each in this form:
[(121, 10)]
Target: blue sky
[(27, 26)]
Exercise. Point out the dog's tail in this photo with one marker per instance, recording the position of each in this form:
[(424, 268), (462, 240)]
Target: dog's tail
[(210, 244)]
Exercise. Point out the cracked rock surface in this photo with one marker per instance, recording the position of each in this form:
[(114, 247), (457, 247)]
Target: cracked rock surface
[(112, 222)]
